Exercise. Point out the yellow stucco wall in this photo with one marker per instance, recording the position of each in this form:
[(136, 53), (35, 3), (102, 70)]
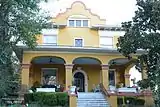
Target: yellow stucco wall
[(67, 35), (92, 72), (90, 37), (28, 56)]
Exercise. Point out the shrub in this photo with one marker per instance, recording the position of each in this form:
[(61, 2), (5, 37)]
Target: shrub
[(139, 102), (28, 98), (132, 101), (47, 99), (62, 99)]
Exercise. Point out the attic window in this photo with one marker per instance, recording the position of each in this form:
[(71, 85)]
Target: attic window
[(71, 23), (78, 23)]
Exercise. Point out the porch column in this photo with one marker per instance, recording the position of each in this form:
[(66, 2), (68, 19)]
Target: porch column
[(104, 76), (68, 75), (127, 79), (25, 74)]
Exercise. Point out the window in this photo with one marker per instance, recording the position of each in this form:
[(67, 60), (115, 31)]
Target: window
[(85, 23), (71, 23), (106, 41), (50, 39), (112, 78), (49, 76), (78, 23), (78, 42)]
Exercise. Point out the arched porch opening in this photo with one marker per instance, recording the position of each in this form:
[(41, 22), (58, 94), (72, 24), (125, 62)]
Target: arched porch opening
[(119, 71), (47, 70), (135, 76), (89, 68)]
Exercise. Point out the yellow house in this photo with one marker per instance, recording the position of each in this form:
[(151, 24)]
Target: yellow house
[(79, 49)]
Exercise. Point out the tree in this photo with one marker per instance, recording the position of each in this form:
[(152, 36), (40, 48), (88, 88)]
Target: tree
[(20, 21), (143, 32)]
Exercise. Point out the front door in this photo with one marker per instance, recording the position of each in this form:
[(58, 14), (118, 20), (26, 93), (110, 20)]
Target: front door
[(79, 81)]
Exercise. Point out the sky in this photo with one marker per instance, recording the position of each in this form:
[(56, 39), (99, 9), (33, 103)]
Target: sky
[(114, 11)]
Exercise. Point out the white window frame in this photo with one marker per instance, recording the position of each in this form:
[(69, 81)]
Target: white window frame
[(50, 43), (103, 45), (51, 69), (75, 22), (75, 42)]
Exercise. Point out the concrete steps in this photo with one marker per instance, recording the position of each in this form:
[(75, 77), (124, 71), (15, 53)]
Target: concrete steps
[(91, 100)]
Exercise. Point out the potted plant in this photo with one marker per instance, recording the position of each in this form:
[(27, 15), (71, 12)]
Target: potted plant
[(73, 87)]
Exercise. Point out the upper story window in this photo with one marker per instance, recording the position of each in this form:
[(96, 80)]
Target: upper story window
[(78, 42), (50, 39), (50, 36), (78, 23), (106, 42)]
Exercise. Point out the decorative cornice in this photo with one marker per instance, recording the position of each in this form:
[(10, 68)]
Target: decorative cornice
[(105, 67), (127, 75), (25, 66), (89, 10), (69, 66), (93, 50)]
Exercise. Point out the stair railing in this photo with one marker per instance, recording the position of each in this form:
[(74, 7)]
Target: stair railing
[(104, 91)]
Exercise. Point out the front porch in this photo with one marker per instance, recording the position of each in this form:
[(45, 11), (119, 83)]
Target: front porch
[(84, 72)]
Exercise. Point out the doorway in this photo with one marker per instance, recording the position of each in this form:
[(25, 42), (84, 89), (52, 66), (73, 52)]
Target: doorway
[(79, 81)]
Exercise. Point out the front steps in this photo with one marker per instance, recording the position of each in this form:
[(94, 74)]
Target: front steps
[(91, 100)]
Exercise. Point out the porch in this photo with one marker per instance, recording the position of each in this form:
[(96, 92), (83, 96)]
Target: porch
[(84, 72)]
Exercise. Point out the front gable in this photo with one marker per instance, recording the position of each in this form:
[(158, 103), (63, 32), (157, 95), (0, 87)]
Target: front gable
[(78, 10)]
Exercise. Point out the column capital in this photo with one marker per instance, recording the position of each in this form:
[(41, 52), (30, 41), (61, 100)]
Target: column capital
[(127, 75), (25, 66), (105, 67), (69, 66)]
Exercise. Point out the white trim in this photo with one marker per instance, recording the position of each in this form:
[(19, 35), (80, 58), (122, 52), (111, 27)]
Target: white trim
[(78, 16), (85, 53), (78, 38), (85, 77)]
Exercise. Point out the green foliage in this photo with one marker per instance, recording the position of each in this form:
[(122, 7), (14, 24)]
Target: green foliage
[(47, 99), (143, 32), (132, 101), (20, 21), (144, 84)]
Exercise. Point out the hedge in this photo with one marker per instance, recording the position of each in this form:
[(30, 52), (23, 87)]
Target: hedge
[(132, 101), (47, 99)]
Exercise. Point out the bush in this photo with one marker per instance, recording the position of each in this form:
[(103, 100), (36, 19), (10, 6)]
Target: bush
[(47, 99), (132, 101), (140, 102), (28, 98)]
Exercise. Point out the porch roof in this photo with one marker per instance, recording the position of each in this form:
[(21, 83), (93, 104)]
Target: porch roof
[(75, 49)]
